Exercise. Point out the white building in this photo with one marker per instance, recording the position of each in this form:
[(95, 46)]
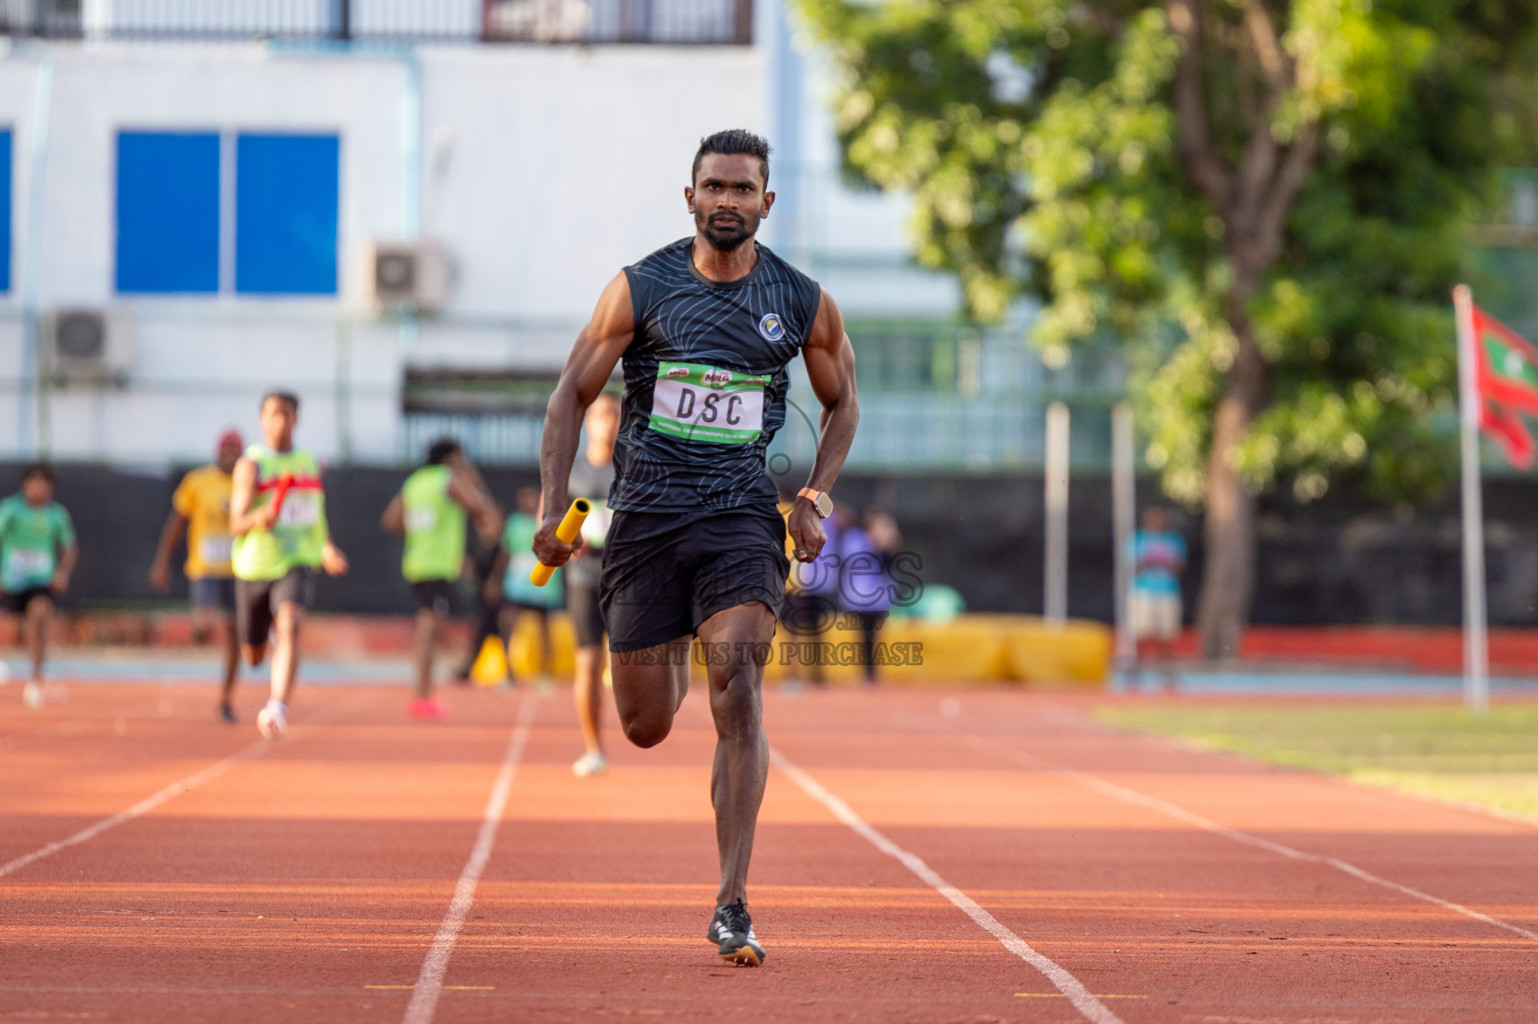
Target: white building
[(213, 205)]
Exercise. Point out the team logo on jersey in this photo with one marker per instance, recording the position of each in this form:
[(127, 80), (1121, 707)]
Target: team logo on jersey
[(771, 327)]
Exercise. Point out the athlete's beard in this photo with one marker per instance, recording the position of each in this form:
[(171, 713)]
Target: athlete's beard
[(726, 236)]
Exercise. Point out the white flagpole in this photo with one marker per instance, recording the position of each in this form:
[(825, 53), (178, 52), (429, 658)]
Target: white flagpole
[(1055, 583), (1476, 653), (1123, 525)]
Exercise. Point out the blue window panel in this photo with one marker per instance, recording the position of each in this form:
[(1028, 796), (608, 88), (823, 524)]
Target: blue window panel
[(5, 210), (285, 214), (167, 212)]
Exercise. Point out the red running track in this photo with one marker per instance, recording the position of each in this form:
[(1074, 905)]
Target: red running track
[(1011, 861)]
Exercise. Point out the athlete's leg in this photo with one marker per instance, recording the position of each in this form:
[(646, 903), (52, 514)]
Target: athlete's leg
[(587, 691), (425, 644), (507, 621), (226, 621), (285, 653), (200, 625), (649, 687), (868, 622), (253, 618), (38, 617), (546, 657), (488, 625), (742, 753)]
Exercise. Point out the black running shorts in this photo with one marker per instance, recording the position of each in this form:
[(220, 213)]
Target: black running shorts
[(665, 573), (17, 602), (436, 596), (257, 602)]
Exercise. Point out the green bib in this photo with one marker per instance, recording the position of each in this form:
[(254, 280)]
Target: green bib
[(435, 527), (299, 535)]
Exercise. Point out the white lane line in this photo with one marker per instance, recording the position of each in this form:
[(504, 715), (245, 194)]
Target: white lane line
[(1066, 983), (1170, 810), (172, 791), (429, 985), (141, 808)]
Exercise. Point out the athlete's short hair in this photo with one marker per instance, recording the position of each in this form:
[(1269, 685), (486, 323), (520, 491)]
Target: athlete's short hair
[(41, 469), (441, 450), (730, 143), (282, 396)]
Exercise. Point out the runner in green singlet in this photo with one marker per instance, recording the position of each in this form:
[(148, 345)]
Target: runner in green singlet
[(431, 512), (37, 555), (278, 520)]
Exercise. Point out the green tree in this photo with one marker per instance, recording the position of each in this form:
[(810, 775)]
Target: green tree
[(1267, 201)]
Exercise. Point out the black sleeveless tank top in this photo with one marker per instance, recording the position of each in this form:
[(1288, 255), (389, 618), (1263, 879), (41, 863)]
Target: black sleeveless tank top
[(705, 381)]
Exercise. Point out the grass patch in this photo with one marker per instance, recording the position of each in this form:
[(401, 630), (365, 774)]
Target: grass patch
[(1437, 751)]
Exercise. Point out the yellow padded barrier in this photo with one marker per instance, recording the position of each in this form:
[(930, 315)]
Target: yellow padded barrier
[(971, 648)]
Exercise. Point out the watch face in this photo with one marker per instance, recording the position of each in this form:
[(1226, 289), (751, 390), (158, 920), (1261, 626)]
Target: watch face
[(824, 505)]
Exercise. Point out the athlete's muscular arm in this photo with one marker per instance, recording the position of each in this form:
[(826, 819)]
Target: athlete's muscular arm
[(331, 558), (394, 518), (69, 555), (170, 536), (242, 492), (599, 347), (468, 489), (830, 367)]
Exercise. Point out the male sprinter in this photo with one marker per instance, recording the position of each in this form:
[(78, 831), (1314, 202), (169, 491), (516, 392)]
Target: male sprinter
[(430, 512), (278, 519), (705, 328), (37, 555), (201, 509), (592, 475)]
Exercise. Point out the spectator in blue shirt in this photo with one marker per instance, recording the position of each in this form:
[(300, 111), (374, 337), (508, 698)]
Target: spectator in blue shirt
[(1158, 560)]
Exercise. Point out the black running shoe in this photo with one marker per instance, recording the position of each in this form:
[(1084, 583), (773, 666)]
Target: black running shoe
[(227, 713), (732, 931)]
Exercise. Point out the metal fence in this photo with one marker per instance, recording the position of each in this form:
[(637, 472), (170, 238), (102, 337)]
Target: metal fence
[(934, 397), (672, 22), (899, 433)]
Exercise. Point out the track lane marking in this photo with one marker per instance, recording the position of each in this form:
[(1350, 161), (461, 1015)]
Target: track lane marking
[(1070, 987), (155, 800), (1179, 813), (139, 809), (429, 984)]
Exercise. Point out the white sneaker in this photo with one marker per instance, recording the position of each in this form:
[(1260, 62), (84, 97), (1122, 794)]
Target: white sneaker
[(589, 764), (32, 695), (272, 720)]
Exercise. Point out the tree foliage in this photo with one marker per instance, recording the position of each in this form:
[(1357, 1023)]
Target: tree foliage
[(1050, 148)]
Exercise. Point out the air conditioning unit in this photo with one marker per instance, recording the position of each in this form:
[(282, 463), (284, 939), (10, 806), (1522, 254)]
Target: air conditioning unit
[(89, 345), (407, 275)]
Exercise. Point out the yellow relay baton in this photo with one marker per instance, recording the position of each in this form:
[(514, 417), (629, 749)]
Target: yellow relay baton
[(567, 532)]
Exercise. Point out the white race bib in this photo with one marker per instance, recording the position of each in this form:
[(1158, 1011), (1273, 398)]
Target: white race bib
[(24, 563), (215, 549), (300, 508), (696, 402), (420, 520)]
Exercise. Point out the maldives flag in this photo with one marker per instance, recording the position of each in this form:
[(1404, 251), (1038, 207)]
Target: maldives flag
[(1506, 374)]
